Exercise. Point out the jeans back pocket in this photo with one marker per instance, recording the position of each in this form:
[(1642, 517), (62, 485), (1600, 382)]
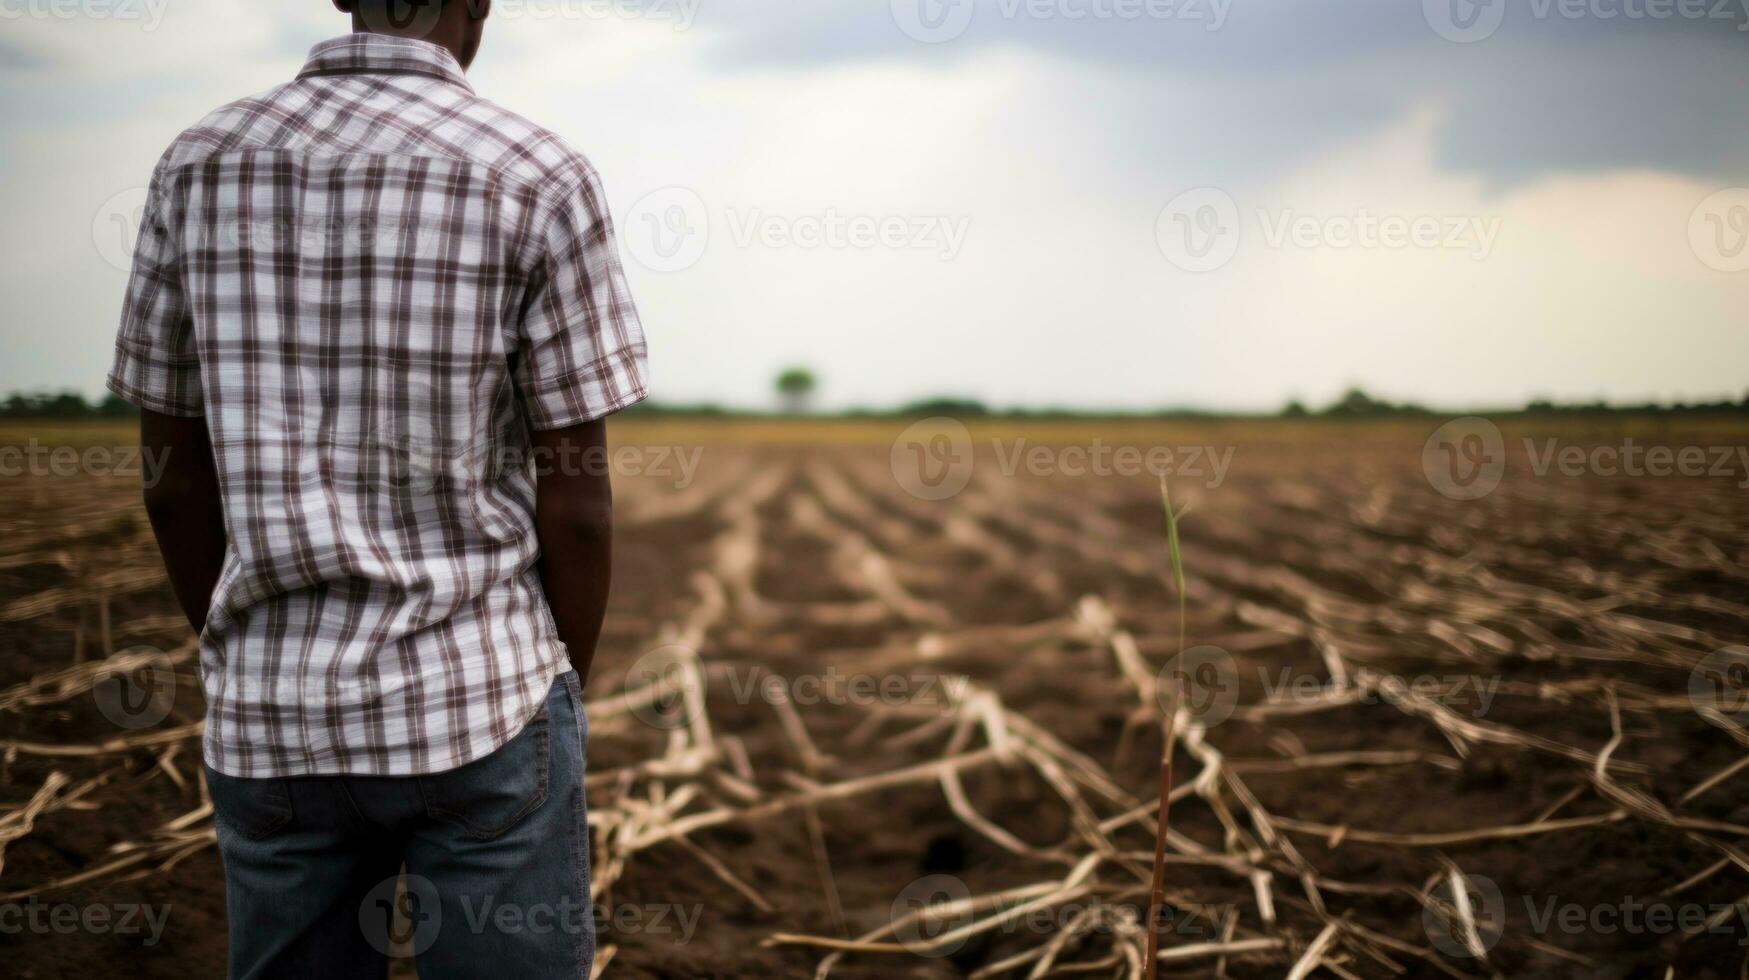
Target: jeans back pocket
[(487, 797), (254, 808)]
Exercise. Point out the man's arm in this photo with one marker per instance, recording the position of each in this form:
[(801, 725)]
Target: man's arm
[(573, 521), (184, 506)]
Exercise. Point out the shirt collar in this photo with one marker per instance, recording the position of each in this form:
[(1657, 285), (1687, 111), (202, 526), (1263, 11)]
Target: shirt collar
[(381, 54)]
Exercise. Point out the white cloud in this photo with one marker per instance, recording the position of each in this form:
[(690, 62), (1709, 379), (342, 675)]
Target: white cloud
[(1060, 293)]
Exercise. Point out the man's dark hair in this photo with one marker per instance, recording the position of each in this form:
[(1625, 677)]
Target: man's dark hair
[(422, 19), (401, 14)]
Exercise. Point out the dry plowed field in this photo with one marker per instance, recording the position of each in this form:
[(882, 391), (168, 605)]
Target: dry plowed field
[(840, 727)]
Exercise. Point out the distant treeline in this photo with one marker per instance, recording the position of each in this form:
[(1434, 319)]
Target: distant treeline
[(1355, 404), (1358, 404), (65, 405)]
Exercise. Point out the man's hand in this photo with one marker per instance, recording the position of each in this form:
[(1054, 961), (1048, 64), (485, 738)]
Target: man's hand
[(184, 506), (573, 520)]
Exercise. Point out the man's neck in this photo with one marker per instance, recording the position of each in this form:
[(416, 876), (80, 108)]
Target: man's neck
[(439, 35)]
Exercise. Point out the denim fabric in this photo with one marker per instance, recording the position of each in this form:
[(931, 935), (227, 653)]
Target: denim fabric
[(495, 855)]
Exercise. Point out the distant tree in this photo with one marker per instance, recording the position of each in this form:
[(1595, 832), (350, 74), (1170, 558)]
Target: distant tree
[(60, 405), (115, 406), (1358, 403), (951, 407), (664, 408), (67, 405), (796, 387), (1295, 409)]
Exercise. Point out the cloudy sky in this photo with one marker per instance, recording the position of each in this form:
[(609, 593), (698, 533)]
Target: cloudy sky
[(1098, 203)]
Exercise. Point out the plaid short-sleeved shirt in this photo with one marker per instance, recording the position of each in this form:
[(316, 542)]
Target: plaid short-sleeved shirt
[(374, 284)]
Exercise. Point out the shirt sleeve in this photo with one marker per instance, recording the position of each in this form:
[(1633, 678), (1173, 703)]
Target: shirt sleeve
[(582, 354), (156, 366)]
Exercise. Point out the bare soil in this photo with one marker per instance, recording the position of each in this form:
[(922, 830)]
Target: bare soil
[(1325, 561)]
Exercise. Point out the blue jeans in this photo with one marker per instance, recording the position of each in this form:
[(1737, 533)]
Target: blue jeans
[(496, 855)]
